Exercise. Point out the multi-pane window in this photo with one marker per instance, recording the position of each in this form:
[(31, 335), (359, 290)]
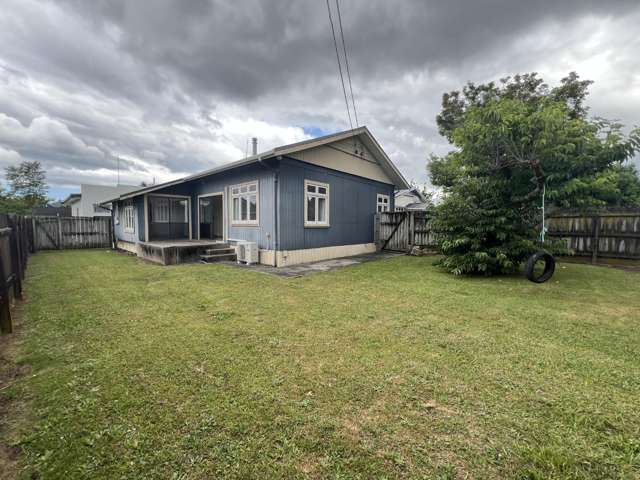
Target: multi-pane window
[(316, 204), (129, 219), (160, 210), (382, 203), (244, 204)]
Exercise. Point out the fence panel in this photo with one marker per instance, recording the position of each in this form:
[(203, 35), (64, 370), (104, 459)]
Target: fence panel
[(15, 246), (72, 232), (614, 233)]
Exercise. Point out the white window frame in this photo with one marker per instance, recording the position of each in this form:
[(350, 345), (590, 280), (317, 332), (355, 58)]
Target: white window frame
[(160, 209), (235, 192), (383, 203), (316, 223), (147, 207), (224, 212), (129, 219)]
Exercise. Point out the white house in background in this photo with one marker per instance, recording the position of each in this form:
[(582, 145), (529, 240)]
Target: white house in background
[(73, 202), (410, 199), (87, 202)]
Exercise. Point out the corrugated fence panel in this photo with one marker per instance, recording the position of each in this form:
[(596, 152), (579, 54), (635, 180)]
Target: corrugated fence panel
[(71, 232)]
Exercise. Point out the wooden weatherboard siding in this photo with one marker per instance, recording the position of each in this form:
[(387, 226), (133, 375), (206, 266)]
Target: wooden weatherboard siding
[(281, 192), (263, 233), (613, 233), (352, 207)]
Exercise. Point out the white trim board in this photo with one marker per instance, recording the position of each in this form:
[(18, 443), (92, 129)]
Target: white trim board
[(224, 213)]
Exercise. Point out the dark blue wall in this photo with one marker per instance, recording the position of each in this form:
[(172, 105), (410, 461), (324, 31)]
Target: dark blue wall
[(352, 206), (264, 233)]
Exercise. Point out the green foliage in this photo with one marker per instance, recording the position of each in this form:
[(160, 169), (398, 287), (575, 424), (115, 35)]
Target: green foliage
[(28, 188), (527, 87), (514, 144)]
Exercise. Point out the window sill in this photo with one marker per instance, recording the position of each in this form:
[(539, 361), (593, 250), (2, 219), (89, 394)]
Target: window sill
[(253, 224), (316, 225)]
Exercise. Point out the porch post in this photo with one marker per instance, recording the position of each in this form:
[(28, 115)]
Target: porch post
[(146, 218), (189, 202)]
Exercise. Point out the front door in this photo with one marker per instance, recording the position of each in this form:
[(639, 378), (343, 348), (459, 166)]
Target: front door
[(211, 220)]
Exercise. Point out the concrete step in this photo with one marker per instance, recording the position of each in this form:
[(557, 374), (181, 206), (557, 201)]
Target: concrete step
[(218, 257), (220, 250)]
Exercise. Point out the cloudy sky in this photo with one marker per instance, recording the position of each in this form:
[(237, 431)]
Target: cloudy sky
[(175, 87)]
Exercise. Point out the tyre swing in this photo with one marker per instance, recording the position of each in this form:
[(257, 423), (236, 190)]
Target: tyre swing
[(541, 265)]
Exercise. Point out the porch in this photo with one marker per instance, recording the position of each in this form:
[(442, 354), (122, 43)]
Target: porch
[(172, 252)]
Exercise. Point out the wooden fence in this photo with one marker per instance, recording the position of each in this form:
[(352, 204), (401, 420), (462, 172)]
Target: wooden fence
[(58, 233), (401, 231), (16, 244), (614, 233), (21, 236), (611, 233)]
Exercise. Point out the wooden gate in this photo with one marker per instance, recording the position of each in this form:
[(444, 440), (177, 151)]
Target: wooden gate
[(58, 233), (401, 231)]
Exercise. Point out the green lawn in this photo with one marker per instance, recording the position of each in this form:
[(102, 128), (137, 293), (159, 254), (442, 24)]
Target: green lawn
[(383, 370)]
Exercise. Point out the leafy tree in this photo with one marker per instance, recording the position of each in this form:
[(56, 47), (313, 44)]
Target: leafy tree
[(526, 87), (28, 188), (516, 143)]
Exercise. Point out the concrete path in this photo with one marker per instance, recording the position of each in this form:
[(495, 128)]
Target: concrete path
[(323, 266)]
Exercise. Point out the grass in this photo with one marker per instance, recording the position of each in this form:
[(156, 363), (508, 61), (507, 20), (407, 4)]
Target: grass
[(383, 370)]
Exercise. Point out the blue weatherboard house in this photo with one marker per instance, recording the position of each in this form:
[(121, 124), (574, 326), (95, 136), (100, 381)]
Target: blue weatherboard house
[(308, 201)]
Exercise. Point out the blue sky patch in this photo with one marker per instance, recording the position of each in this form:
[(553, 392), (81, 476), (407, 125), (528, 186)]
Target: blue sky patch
[(316, 131)]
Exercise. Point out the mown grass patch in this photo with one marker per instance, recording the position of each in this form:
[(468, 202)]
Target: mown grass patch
[(385, 369)]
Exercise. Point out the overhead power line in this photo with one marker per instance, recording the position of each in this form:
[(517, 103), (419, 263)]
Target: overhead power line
[(346, 62), (335, 43)]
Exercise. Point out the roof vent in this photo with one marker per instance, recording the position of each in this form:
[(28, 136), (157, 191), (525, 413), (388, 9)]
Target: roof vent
[(254, 146)]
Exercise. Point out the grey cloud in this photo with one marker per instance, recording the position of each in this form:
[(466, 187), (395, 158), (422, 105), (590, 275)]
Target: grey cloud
[(174, 87), (246, 49)]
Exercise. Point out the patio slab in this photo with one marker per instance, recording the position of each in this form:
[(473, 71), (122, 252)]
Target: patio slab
[(322, 266)]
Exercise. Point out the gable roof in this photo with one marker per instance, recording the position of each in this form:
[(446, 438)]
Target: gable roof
[(411, 192), (72, 198), (363, 134)]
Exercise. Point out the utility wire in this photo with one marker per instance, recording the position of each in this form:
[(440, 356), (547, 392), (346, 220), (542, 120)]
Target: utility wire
[(346, 61), (335, 43)]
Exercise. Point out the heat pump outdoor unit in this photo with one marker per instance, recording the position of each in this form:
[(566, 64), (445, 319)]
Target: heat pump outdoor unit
[(247, 252)]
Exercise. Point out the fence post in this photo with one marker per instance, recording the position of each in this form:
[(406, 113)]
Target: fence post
[(376, 231), (14, 254), (33, 234), (59, 233), (412, 229), (112, 233), (5, 314), (595, 239)]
